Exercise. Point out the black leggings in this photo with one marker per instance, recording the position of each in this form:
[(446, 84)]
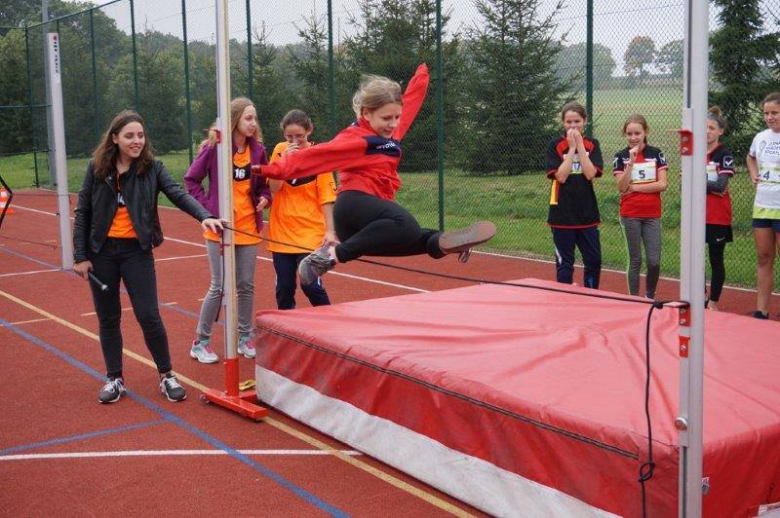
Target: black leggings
[(718, 270), (123, 259), (369, 225)]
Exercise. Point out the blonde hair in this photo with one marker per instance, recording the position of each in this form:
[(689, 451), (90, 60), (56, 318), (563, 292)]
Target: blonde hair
[(375, 92), (715, 115), (237, 107)]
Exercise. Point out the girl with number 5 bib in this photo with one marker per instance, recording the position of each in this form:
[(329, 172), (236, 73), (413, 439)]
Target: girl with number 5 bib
[(763, 163), (640, 171)]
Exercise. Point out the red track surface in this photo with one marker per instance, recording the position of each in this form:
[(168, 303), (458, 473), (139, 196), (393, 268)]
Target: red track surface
[(48, 397)]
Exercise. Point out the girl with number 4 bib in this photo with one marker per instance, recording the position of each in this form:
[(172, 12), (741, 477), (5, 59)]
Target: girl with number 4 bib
[(640, 171), (763, 163)]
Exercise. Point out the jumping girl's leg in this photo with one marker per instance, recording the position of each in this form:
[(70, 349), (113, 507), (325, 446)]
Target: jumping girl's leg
[(212, 300), (108, 308)]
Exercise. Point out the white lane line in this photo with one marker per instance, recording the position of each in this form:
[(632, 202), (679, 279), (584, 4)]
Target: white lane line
[(33, 272), (93, 313), (170, 453), (179, 257), (22, 322)]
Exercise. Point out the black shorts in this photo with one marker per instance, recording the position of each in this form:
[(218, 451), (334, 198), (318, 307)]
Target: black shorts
[(718, 234)]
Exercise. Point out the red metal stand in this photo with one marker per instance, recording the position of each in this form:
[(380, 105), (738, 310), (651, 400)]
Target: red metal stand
[(232, 399)]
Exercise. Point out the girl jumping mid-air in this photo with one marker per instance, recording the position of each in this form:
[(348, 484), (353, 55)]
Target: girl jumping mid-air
[(368, 221)]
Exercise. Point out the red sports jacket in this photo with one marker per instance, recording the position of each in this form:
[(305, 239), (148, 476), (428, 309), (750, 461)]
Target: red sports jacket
[(366, 161)]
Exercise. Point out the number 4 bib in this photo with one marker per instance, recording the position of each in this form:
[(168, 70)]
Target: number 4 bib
[(769, 173)]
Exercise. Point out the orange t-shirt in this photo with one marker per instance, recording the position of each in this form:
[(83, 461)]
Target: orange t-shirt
[(121, 226), (244, 218), (296, 215)]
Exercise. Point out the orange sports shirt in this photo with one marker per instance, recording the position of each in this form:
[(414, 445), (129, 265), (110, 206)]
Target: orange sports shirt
[(243, 210), (296, 214)]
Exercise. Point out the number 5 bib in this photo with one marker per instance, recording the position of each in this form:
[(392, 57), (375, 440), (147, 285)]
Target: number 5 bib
[(643, 172)]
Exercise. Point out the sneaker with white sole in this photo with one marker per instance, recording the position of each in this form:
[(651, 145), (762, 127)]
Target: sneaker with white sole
[(315, 265), (245, 347), (202, 352), (462, 241), (112, 391), (169, 386)]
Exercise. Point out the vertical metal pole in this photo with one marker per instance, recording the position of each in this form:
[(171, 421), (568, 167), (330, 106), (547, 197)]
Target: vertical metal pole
[(30, 104), (94, 74), (440, 114), (691, 412), (331, 86), (225, 161), (54, 80), (250, 59), (589, 71), (135, 55), (188, 101), (49, 124)]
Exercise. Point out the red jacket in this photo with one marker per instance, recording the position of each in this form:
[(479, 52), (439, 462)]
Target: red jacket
[(366, 161)]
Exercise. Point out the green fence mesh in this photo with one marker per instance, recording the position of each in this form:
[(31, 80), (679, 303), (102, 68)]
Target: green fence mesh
[(500, 71)]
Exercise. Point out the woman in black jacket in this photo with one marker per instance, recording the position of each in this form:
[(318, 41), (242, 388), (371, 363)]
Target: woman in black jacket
[(116, 227)]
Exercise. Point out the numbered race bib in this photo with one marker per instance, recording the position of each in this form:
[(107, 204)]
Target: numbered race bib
[(769, 173), (712, 172), (643, 172)]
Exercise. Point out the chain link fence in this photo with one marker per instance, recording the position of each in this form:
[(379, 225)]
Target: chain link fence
[(500, 71)]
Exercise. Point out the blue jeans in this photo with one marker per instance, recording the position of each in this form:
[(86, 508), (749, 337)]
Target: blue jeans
[(286, 266)]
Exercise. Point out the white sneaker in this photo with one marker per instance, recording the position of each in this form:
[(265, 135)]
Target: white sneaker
[(202, 352), (245, 347)]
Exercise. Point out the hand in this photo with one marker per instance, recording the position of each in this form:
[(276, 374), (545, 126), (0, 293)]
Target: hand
[(291, 148), (213, 224), (755, 179), (83, 268), (628, 190), (329, 239), (570, 138), (577, 139), (633, 152), (263, 203)]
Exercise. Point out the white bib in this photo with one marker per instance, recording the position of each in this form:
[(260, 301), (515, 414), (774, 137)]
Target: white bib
[(769, 172), (712, 172), (643, 172)]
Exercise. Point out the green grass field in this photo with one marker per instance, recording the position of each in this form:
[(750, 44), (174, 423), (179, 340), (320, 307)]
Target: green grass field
[(518, 204)]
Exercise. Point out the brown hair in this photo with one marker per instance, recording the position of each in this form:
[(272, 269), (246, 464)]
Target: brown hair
[(237, 107), (637, 119), (774, 97), (375, 92), (107, 151), (297, 117), (575, 107), (716, 116)]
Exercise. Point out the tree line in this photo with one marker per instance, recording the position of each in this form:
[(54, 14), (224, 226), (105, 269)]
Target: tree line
[(504, 78)]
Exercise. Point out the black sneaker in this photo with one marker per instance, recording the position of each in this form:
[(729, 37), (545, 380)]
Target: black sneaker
[(462, 241), (315, 265), (760, 315), (112, 391), (169, 386)]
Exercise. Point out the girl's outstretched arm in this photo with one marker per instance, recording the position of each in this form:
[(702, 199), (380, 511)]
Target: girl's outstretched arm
[(343, 151), (413, 99)]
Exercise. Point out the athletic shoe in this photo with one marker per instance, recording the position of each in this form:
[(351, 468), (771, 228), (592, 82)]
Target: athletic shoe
[(169, 386), (202, 352), (245, 347), (112, 391), (315, 265), (760, 315), (462, 241)]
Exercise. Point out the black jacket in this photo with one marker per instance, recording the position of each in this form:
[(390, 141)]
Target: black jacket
[(98, 204)]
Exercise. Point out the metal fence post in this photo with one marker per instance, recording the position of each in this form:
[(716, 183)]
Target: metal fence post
[(30, 103), (439, 115), (94, 73), (250, 63), (187, 99), (331, 88), (135, 55), (589, 71)]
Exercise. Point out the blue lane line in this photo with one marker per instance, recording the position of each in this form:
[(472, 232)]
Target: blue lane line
[(23, 256), (167, 416), (72, 438)]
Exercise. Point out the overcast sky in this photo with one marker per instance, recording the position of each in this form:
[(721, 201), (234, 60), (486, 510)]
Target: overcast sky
[(616, 21)]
